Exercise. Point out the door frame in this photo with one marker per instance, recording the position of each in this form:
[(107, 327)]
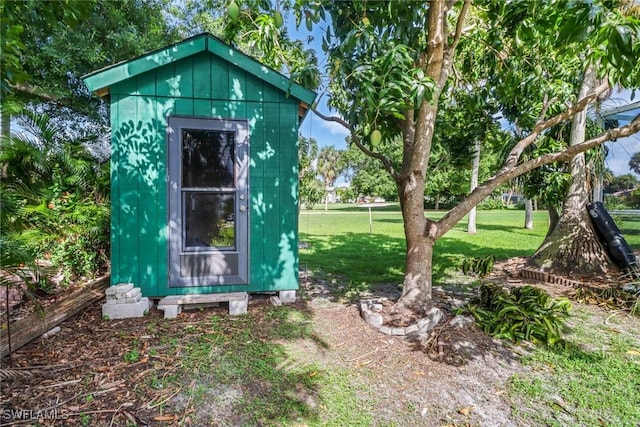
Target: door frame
[(176, 247)]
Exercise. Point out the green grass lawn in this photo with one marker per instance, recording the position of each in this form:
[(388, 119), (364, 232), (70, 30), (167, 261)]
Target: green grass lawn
[(630, 228), (593, 380), (341, 245), (340, 242)]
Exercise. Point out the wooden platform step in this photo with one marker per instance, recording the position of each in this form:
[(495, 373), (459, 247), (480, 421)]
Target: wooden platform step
[(172, 305)]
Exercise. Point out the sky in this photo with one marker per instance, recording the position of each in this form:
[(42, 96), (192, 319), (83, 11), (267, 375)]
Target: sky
[(331, 133), (326, 133), (620, 151)]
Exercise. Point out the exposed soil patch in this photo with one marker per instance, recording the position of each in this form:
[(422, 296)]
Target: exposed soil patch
[(455, 377)]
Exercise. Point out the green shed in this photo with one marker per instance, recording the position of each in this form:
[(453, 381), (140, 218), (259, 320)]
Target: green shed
[(204, 170)]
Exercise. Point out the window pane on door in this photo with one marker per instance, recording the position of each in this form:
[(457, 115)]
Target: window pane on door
[(209, 220), (207, 159)]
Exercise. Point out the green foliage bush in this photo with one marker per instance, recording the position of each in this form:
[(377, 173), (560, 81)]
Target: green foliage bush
[(619, 203), (311, 192), (523, 313), (445, 202), (82, 248), (478, 266), (630, 201), (55, 201), (490, 203)]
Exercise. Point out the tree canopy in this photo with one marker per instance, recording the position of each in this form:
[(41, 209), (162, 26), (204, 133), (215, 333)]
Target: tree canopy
[(634, 163), (392, 67), (622, 183), (59, 42)]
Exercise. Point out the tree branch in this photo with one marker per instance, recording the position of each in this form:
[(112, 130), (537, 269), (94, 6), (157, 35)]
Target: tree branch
[(501, 55), (546, 103), (451, 49), (507, 174), (459, 27), (356, 140), (417, 144), (29, 89), (542, 125)]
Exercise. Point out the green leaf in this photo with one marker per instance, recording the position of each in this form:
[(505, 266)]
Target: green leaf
[(233, 10), (624, 38), (277, 19)]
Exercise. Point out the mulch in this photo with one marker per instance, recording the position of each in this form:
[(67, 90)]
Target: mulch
[(98, 372)]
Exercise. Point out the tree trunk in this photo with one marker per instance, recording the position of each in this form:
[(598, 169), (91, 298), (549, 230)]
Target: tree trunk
[(416, 290), (471, 221), (573, 245), (598, 188), (528, 214), (417, 134), (475, 171), (5, 124), (554, 219)]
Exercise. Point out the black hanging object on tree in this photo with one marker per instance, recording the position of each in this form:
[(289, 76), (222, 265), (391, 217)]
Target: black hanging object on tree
[(610, 235)]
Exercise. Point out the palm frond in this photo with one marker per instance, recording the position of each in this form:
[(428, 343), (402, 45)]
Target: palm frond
[(14, 254), (55, 200), (42, 127), (7, 374)]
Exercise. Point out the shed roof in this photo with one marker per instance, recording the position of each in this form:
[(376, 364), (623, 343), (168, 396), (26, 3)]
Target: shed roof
[(625, 113), (101, 80)]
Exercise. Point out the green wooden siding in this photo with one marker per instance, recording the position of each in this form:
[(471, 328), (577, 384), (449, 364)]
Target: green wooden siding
[(201, 85), (189, 49)]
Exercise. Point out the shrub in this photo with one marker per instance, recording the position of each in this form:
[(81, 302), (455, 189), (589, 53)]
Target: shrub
[(523, 313), (478, 266), (54, 196), (444, 202), (80, 247), (617, 202), (491, 203)]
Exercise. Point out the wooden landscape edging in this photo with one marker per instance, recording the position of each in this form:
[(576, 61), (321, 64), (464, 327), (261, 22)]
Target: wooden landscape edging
[(34, 325)]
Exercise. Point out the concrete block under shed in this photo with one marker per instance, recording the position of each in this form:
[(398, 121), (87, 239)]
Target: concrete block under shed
[(125, 311), (287, 296), (173, 305)]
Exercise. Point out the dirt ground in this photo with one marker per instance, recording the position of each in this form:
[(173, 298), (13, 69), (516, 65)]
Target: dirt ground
[(81, 375)]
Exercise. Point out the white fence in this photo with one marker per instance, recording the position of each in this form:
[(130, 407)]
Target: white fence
[(629, 212)]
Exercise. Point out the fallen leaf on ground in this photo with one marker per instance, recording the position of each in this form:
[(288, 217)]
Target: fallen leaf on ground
[(466, 411), (164, 418), (111, 384)]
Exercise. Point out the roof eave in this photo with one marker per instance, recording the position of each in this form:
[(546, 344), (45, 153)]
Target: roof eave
[(100, 81), (625, 112), (107, 77)]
